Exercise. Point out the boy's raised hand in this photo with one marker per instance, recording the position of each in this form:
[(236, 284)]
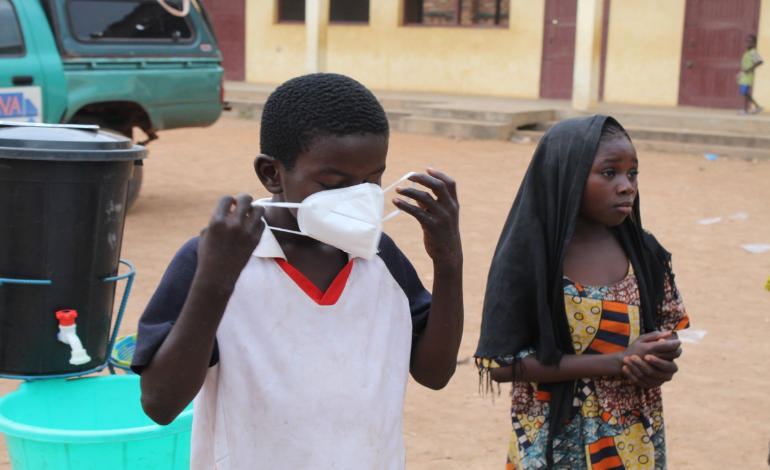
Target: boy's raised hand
[(231, 237), (439, 217), (176, 373), (434, 357)]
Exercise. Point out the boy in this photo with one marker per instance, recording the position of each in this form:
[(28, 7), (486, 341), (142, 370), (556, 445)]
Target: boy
[(299, 352), (751, 60)]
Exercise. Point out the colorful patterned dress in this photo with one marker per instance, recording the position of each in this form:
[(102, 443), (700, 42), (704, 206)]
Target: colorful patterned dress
[(614, 424)]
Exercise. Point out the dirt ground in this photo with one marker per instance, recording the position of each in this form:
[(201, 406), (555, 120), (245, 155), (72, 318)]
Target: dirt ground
[(718, 406)]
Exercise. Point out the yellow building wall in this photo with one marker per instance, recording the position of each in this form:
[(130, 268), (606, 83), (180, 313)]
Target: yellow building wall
[(274, 53), (387, 56), (644, 52), (762, 76)]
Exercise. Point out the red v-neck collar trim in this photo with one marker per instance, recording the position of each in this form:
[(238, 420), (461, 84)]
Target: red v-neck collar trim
[(332, 294)]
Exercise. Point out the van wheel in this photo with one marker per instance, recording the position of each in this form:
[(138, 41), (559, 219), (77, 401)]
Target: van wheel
[(135, 184)]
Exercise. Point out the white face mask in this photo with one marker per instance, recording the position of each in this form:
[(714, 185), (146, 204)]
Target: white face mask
[(348, 218)]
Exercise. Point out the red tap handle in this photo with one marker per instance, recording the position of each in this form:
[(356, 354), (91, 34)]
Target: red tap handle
[(66, 317)]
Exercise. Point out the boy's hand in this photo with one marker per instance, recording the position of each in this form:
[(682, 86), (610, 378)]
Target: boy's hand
[(228, 242), (178, 369), (434, 356), (439, 217)]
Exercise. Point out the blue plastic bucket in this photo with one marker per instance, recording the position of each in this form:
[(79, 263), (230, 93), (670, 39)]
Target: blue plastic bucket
[(94, 423)]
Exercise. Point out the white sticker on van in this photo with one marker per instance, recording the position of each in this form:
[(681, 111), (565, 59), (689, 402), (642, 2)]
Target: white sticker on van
[(21, 104)]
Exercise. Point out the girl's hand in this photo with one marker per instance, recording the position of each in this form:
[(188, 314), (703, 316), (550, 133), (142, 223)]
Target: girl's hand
[(655, 344), (652, 372), (439, 217)]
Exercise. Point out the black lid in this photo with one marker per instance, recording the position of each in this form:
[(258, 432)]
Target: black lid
[(65, 142)]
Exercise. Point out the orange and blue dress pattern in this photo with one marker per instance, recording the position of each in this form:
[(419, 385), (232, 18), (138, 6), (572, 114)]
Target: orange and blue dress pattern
[(614, 424)]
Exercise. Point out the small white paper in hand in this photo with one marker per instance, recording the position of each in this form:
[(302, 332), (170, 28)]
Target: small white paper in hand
[(756, 248), (691, 336), (739, 215), (713, 220)]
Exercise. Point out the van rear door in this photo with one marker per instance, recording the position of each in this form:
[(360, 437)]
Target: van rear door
[(135, 52), (21, 75)]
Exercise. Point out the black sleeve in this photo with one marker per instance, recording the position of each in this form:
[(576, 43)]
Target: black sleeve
[(166, 305), (406, 277)]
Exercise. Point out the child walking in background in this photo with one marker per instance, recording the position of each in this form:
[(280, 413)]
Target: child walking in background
[(294, 325), (749, 63), (581, 307)]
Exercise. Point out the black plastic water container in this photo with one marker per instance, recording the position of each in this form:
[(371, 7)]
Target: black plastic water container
[(63, 196)]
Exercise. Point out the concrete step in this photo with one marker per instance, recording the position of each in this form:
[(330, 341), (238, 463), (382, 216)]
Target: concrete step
[(405, 120), (517, 118), (544, 125), (526, 136), (237, 91), (728, 151), (743, 153), (247, 109), (457, 127), (395, 116), (702, 132), (698, 120), (392, 103), (247, 95), (686, 136)]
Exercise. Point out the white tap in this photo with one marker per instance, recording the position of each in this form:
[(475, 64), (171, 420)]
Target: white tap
[(68, 335)]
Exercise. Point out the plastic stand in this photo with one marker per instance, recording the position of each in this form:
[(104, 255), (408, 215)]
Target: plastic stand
[(130, 277)]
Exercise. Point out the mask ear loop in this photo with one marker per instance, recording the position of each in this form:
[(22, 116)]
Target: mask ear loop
[(288, 205), (397, 211)]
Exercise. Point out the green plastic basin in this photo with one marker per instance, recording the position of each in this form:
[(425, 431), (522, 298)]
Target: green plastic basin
[(93, 423)]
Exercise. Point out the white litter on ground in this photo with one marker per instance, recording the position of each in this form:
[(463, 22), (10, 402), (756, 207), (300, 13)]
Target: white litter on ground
[(710, 221), (756, 248), (739, 215)]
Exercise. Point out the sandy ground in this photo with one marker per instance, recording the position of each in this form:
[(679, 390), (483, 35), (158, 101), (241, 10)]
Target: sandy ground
[(718, 406)]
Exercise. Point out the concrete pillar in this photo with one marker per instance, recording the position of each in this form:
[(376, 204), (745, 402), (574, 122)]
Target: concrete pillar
[(588, 54), (316, 27)]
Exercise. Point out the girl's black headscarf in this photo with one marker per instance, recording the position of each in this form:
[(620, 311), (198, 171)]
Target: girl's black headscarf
[(524, 304)]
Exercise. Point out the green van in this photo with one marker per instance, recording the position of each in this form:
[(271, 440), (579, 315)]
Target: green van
[(121, 64)]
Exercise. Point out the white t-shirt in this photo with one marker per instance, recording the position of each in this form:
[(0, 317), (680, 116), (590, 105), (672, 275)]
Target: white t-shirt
[(300, 378)]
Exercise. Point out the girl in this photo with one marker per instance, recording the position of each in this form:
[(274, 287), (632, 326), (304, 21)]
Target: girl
[(580, 308)]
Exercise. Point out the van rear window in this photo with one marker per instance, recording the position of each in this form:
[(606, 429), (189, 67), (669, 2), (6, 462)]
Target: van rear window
[(126, 20), (10, 35)]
